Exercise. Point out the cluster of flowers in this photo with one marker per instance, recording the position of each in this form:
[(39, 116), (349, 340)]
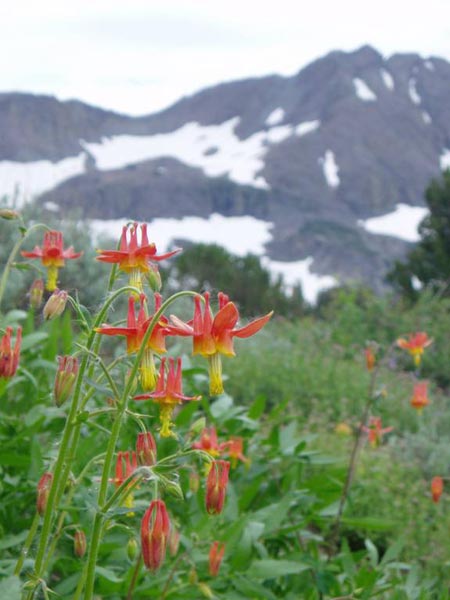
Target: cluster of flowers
[(212, 337)]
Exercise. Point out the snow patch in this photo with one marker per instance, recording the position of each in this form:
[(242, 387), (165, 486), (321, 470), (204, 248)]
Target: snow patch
[(416, 283), (299, 272), (429, 65), (426, 117), (241, 160), (412, 90), (402, 223), (330, 169), (363, 91), (444, 159), (307, 127), (238, 235), (23, 181), (51, 206), (388, 80), (275, 117)]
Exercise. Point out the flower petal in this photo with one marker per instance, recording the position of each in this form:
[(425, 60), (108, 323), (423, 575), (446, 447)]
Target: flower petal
[(226, 318), (252, 327)]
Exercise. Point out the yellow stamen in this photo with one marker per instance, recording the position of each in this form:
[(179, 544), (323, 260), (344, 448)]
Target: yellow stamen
[(148, 375), (215, 374), (165, 414), (52, 278), (135, 279)]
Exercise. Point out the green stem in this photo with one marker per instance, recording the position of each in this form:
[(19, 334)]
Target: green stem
[(12, 256), (27, 544)]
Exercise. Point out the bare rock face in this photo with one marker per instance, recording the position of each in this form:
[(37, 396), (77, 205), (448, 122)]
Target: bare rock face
[(349, 137)]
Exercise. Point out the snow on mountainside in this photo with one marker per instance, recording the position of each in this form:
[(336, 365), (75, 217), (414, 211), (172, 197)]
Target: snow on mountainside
[(334, 160)]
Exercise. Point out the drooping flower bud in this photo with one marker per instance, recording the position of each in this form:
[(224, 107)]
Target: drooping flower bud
[(55, 305), (370, 358), (65, 378), (174, 540), (216, 553), (437, 487), (146, 449), (216, 486), (43, 491), (154, 534), (9, 356), (79, 543), (132, 548), (36, 293), (9, 214)]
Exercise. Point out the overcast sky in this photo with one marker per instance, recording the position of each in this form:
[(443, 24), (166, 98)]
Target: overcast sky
[(137, 56)]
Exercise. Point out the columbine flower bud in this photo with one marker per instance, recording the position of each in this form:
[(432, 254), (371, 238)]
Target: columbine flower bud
[(370, 358), (132, 548), (437, 487), (43, 491), (154, 533), (55, 305), (9, 355), (174, 540), (9, 214), (216, 553), (194, 481), (65, 378), (146, 449), (79, 543), (36, 293), (216, 486)]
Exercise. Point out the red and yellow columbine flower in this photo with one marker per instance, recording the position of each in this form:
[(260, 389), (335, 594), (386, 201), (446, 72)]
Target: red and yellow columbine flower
[(420, 396), (234, 448), (43, 491), (437, 487), (216, 486), (136, 258), (168, 394), (375, 431), (213, 336), (216, 553), (209, 442), (9, 356), (126, 465), (135, 331), (146, 449), (415, 345), (155, 529), (52, 255)]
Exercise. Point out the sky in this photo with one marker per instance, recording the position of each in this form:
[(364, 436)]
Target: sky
[(137, 57)]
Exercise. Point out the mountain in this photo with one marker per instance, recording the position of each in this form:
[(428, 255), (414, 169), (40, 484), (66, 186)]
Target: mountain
[(319, 155)]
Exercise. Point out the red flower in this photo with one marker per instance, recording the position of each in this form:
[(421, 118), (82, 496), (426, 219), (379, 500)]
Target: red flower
[(9, 357), (214, 336), (126, 465), (168, 394), (370, 359), (208, 442), (415, 345), (52, 255), (216, 553), (43, 491), (155, 530), (235, 450), (146, 449), (420, 396), (136, 258), (135, 332), (437, 487), (375, 431), (216, 486)]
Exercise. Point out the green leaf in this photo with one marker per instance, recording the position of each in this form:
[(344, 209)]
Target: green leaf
[(108, 574), (10, 588), (33, 339), (220, 408), (12, 540), (271, 568), (369, 523), (257, 408), (372, 551)]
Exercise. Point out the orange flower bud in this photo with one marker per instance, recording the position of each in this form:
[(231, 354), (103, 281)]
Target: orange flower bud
[(216, 553), (437, 487), (36, 293), (146, 449), (216, 486), (370, 359), (79, 543), (9, 356), (420, 396), (65, 378), (174, 540), (55, 305), (43, 491), (154, 533)]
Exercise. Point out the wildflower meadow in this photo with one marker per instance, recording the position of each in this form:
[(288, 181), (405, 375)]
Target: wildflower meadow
[(158, 445)]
